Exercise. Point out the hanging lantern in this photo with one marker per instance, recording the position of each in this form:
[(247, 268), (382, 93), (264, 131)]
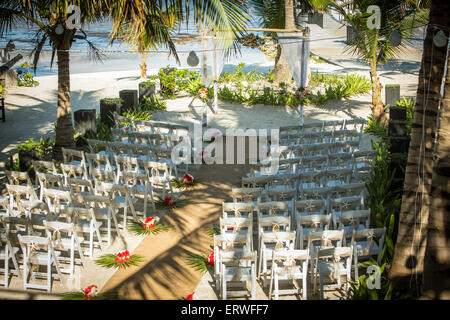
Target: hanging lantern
[(440, 39), (395, 38), (192, 59)]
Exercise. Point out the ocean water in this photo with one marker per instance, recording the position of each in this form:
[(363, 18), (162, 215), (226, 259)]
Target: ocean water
[(120, 57)]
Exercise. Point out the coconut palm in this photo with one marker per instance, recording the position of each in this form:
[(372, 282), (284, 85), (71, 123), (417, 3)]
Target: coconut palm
[(423, 221), (51, 17), (280, 15), (375, 45)]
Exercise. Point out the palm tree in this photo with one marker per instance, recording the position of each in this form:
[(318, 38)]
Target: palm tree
[(420, 189), (436, 267), (144, 42), (373, 45), (50, 17), (280, 15)]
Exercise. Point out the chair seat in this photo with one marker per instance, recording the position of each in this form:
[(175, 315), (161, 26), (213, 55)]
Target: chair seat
[(66, 243), (42, 257), (289, 273), (238, 273), (2, 252), (120, 201), (85, 227), (326, 268), (361, 245)]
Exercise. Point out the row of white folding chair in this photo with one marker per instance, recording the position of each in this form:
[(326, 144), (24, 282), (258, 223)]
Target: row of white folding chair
[(138, 185), (55, 205), (43, 249), (304, 150), (141, 138), (148, 125), (351, 124), (8, 252), (288, 138), (362, 161)]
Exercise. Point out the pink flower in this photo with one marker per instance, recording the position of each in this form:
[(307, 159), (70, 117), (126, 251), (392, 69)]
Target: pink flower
[(90, 292)]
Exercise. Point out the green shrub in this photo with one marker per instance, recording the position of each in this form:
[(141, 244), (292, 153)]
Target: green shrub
[(149, 105), (238, 75), (193, 85), (409, 104), (24, 76), (1, 90), (376, 128), (44, 147), (355, 84)]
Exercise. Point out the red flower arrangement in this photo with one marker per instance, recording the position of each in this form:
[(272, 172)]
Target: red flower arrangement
[(210, 259), (149, 223), (122, 259), (90, 292), (203, 93), (123, 256), (188, 179), (301, 94), (168, 202), (190, 296)]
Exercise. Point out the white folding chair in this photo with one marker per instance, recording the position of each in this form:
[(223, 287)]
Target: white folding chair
[(252, 195), (268, 243), (332, 264), (65, 239), (74, 157), (235, 269), (8, 251), (104, 210), (99, 162), (367, 243), (38, 251), (49, 181), (310, 223), (85, 223), (140, 186), (228, 241), (289, 265), (352, 220), (237, 209)]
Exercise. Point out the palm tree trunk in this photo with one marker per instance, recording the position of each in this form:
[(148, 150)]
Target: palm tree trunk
[(64, 128), (377, 104), (281, 71), (436, 272), (144, 65), (407, 265)]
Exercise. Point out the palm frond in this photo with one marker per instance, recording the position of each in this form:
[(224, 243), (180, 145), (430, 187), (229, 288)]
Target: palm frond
[(108, 261), (213, 230), (198, 262)]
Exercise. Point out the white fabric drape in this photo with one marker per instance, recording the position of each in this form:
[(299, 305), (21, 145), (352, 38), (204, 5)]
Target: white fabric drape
[(296, 51)]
